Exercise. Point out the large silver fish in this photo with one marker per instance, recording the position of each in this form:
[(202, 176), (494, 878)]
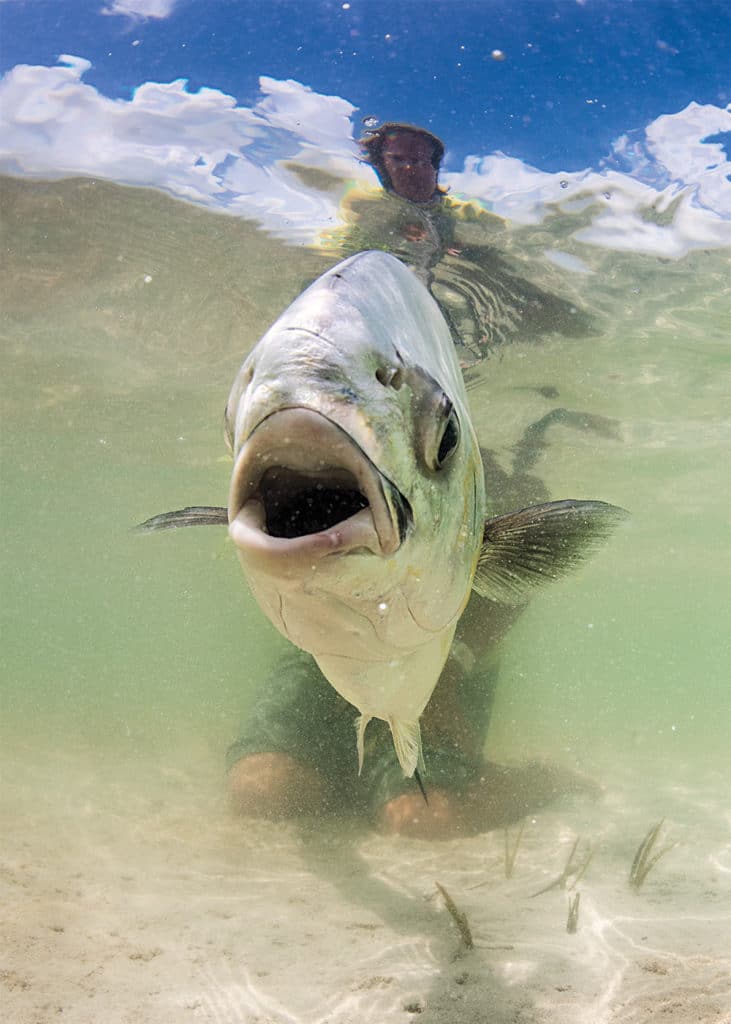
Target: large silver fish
[(357, 498)]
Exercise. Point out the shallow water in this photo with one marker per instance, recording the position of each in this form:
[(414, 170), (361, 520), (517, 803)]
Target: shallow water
[(112, 399), (128, 660)]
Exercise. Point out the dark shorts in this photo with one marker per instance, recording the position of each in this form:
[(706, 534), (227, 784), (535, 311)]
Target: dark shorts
[(297, 712)]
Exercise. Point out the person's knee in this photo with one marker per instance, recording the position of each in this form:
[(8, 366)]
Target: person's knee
[(275, 785), (409, 815)]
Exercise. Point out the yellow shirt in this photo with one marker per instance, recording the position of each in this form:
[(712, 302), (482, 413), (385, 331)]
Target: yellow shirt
[(458, 249)]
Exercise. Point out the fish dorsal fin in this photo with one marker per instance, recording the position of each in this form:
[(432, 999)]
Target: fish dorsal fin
[(407, 742), (527, 549), (360, 724), (195, 515)]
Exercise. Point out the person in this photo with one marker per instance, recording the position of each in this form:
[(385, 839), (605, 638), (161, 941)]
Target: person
[(406, 160), (459, 250), (296, 754)]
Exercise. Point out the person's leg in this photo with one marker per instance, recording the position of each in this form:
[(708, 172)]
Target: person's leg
[(275, 785), (297, 745), (466, 794), (500, 796), (298, 757)]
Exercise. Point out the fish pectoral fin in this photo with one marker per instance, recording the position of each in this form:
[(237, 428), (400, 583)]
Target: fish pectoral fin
[(407, 742), (360, 724), (527, 549), (195, 515)]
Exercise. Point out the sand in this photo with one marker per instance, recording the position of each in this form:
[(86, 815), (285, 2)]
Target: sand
[(131, 895)]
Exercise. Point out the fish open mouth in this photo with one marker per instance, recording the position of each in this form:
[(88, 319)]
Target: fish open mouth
[(302, 486)]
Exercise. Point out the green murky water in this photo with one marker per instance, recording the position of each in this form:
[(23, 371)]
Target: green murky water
[(125, 317), (127, 662)]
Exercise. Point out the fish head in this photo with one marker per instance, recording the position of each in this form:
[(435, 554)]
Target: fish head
[(357, 500)]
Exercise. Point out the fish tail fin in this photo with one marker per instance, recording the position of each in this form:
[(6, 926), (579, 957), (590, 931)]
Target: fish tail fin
[(360, 724), (407, 742)]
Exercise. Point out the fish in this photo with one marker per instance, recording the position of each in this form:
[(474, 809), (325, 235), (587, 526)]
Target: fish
[(357, 500)]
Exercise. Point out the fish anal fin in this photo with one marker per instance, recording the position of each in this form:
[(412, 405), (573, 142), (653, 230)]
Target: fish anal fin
[(526, 549), (360, 724), (407, 742)]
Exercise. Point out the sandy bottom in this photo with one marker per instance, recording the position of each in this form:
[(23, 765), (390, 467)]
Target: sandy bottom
[(131, 895)]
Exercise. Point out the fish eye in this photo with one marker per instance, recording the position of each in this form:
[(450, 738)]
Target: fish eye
[(450, 436)]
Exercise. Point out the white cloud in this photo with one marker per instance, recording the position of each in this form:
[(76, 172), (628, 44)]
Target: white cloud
[(141, 9), (672, 194), (675, 142), (199, 146), (676, 196)]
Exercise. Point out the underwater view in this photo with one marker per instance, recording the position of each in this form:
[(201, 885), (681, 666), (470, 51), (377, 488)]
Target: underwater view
[(426, 716)]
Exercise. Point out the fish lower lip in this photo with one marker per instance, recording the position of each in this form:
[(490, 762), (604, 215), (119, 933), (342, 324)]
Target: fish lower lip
[(301, 485)]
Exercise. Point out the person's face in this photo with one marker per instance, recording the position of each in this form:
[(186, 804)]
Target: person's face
[(407, 159)]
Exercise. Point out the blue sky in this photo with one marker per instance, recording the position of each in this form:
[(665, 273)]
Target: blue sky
[(575, 75)]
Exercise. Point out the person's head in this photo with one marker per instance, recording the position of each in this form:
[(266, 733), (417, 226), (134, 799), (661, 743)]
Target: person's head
[(406, 160)]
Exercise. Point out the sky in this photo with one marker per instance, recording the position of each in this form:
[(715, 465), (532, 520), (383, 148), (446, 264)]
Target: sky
[(615, 108), (551, 83)]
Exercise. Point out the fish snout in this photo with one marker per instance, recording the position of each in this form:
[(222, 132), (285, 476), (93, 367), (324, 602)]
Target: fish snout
[(303, 489)]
